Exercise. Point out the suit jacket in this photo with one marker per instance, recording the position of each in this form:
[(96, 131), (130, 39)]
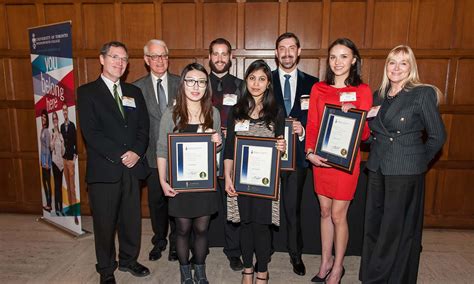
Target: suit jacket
[(146, 85), (304, 83), (397, 146), (108, 135), (70, 140)]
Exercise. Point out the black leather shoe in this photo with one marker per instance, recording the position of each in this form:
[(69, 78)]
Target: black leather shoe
[(136, 269), (107, 279), (155, 254), (173, 255), (235, 263), (298, 265)]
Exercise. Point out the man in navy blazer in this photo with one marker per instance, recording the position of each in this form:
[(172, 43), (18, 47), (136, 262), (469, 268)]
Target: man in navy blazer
[(114, 122), (156, 58), (292, 88)]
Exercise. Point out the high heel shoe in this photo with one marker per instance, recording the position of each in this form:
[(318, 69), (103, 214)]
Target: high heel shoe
[(318, 279), (264, 279), (342, 275)]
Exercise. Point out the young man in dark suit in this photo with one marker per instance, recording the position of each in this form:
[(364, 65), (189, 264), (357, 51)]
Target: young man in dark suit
[(159, 89), (114, 122), (292, 88)]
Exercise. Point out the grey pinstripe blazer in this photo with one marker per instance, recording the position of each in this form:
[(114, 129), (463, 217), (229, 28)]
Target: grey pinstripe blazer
[(397, 145)]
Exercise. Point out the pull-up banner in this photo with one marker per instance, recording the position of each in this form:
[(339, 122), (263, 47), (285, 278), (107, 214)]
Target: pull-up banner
[(55, 112)]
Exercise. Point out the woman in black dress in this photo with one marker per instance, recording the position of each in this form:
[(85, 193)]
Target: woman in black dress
[(193, 112)]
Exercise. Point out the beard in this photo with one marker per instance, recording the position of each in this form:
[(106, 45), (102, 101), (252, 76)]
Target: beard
[(224, 69), (288, 64)]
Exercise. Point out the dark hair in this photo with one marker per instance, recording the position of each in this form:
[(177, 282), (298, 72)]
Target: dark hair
[(180, 110), (285, 36), (106, 47), (220, 41), (45, 113), (246, 103), (354, 78)]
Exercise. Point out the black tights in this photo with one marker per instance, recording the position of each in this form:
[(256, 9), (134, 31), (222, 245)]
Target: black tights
[(199, 225), (255, 238)]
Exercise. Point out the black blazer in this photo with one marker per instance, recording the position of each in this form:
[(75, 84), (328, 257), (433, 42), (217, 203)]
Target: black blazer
[(304, 83), (146, 86), (108, 135), (397, 144)]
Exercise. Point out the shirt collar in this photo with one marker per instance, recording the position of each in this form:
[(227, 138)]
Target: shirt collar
[(282, 73)]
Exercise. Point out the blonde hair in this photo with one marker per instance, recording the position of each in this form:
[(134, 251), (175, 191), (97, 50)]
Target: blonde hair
[(413, 80)]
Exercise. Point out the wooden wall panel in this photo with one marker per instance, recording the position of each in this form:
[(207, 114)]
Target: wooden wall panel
[(179, 25), (261, 25), (99, 25), (19, 19), (347, 19), (439, 31), (225, 25), (391, 19), (305, 20), (137, 17)]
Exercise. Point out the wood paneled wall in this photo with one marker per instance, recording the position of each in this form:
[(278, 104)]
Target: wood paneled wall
[(439, 31)]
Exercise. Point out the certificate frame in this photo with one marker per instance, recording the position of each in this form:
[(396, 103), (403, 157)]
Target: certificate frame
[(269, 191), (289, 164), (220, 157), (206, 184), (346, 159)]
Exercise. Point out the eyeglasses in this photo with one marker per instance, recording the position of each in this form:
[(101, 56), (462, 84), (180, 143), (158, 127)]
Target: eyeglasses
[(116, 58), (155, 57), (191, 83)]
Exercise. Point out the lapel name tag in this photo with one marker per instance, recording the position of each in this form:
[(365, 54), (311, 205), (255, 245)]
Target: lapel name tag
[(229, 99), (242, 125), (304, 102), (348, 97), (128, 102)]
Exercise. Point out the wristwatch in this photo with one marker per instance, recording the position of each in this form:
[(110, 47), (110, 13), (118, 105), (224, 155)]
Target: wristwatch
[(309, 153)]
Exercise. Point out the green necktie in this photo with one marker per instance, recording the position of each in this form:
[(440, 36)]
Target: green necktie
[(118, 100)]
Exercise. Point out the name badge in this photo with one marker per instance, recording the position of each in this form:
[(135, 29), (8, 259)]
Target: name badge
[(304, 102), (128, 102), (174, 102), (242, 125), (229, 99), (373, 111), (348, 97)]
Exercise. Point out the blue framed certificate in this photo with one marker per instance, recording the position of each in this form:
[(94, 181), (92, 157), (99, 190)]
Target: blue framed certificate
[(288, 159), (339, 136), (256, 167), (191, 162)]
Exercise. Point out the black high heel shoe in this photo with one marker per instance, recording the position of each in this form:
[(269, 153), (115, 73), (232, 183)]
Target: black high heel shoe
[(318, 279)]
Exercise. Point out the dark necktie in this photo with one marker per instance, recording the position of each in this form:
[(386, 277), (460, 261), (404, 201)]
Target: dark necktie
[(118, 100), (161, 95), (287, 94), (219, 85)]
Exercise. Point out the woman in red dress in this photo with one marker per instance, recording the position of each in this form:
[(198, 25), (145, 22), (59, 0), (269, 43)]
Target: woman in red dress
[(335, 188)]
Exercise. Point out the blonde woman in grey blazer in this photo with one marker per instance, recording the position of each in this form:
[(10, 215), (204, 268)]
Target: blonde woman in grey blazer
[(399, 157)]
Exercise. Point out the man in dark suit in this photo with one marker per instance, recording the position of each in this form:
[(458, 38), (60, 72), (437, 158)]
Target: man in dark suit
[(226, 89), (292, 88), (159, 89), (114, 123)]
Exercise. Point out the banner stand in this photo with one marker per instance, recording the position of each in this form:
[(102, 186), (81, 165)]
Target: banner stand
[(82, 235)]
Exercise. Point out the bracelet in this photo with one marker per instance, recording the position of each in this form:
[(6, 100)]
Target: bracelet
[(309, 153)]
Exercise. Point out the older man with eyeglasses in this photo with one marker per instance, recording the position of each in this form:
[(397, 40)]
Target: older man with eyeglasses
[(159, 89)]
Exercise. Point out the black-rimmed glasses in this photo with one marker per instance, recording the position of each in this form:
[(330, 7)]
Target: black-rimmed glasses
[(155, 57), (191, 83)]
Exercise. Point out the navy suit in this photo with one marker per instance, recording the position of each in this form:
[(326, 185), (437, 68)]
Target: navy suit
[(292, 183)]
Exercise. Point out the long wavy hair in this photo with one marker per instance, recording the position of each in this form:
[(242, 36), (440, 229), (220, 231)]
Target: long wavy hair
[(413, 79), (246, 103), (354, 78), (180, 110)]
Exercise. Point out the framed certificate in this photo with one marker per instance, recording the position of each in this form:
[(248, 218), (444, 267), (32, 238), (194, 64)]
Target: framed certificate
[(256, 166), (339, 136), (191, 162), (288, 162), (220, 158)]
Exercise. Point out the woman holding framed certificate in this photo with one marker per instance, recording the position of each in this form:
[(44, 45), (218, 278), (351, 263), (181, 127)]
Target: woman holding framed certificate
[(255, 114), (407, 133), (192, 113), (335, 187)]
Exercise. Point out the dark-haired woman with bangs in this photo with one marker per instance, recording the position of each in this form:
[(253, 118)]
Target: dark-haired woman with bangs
[(335, 188), (258, 109), (193, 112)]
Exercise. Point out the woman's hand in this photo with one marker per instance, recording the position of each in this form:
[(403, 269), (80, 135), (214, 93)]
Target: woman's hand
[(318, 161), (347, 106), (168, 190), (216, 138), (281, 144), (229, 187)]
